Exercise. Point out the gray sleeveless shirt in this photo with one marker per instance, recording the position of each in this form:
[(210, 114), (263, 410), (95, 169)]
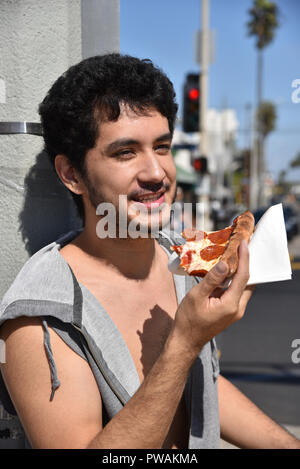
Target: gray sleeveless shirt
[(47, 288)]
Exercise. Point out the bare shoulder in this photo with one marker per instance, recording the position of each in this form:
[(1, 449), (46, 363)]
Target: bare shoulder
[(74, 417)]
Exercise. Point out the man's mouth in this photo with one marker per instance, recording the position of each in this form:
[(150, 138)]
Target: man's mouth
[(150, 200)]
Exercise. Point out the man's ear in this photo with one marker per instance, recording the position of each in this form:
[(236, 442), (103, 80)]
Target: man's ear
[(69, 176)]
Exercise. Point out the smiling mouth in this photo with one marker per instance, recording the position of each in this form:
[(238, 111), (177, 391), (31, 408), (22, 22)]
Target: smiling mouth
[(149, 197), (149, 200)]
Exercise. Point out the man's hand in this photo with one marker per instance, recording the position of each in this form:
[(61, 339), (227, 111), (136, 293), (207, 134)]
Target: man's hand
[(207, 310)]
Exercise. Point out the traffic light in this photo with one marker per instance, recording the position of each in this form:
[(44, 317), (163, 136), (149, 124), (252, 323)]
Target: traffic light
[(191, 94), (200, 164)]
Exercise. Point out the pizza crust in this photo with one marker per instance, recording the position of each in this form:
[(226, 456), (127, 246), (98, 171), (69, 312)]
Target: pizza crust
[(243, 227)]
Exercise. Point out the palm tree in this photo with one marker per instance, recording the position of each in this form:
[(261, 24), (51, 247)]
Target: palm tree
[(296, 161), (266, 119), (263, 23)]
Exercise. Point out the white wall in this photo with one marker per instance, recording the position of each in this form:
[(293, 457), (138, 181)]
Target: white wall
[(39, 40)]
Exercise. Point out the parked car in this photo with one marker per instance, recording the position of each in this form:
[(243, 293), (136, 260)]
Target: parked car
[(291, 219)]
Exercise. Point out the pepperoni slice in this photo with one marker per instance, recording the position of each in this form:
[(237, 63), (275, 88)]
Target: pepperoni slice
[(199, 273), (186, 259), (177, 249), (191, 234), (220, 237), (212, 252)]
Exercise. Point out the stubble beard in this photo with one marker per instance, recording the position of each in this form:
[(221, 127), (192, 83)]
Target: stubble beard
[(146, 226)]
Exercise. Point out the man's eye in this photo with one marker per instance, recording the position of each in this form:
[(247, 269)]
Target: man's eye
[(124, 154), (163, 148)]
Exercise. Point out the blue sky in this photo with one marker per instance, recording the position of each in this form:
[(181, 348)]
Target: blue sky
[(164, 31)]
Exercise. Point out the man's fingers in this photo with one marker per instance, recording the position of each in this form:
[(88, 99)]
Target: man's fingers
[(246, 295), (214, 278), (241, 277)]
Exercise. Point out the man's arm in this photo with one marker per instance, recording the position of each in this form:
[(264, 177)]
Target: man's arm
[(73, 418), (244, 425)]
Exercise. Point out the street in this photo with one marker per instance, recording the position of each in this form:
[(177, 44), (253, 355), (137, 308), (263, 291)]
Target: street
[(256, 352)]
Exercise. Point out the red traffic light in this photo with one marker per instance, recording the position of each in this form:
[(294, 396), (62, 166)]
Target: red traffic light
[(194, 94), (191, 103), (200, 164)]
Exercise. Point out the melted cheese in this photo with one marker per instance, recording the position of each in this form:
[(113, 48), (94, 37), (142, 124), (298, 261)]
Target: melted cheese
[(197, 263)]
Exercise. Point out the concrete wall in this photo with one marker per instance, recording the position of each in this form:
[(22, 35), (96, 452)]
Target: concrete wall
[(100, 27), (39, 40)]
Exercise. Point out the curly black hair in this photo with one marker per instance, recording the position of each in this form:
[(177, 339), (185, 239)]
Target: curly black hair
[(91, 91)]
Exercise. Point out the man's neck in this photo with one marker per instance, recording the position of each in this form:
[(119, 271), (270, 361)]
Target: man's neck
[(128, 257)]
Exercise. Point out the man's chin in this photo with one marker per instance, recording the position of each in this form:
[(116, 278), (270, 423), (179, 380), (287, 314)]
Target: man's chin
[(148, 226)]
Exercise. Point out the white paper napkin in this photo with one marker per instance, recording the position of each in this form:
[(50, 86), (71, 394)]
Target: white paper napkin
[(268, 250)]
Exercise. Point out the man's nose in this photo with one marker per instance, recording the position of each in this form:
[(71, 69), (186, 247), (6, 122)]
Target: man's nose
[(151, 169)]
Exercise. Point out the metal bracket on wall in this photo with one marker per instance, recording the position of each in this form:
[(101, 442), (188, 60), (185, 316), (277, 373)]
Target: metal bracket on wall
[(32, 128)]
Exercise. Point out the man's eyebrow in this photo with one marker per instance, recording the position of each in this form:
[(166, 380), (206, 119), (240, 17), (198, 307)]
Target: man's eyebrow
[(164, 137), (123, 142)]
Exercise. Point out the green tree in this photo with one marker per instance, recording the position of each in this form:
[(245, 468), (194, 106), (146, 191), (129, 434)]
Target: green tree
[(296, 161), (262, 24), (266, 117)]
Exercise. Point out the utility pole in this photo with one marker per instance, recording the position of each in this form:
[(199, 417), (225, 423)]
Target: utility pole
[(204, 76), (256, 169), (248, 145), (100, 27), (203, 83), (253, 182)]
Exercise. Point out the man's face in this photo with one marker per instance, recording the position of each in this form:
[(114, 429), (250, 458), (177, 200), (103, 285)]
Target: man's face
[(132, 157)]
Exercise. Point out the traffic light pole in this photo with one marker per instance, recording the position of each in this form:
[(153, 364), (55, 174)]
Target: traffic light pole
[(203, 79)]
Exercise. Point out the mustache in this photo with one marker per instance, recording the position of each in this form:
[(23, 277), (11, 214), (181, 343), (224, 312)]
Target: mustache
[(149, 188)]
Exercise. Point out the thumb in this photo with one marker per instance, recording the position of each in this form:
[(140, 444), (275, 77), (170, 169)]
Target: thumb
[(214, 278)]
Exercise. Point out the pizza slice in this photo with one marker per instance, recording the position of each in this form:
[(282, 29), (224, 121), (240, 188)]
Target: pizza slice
[(203, 250)]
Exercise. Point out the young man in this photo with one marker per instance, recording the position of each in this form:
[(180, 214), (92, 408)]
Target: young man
[(124, 349)]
